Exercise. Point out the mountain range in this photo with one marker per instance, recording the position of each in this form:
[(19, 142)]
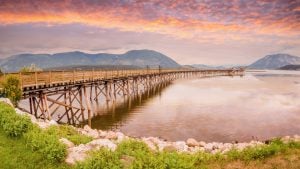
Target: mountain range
[(275, 61), (135, 58), (131, 59)]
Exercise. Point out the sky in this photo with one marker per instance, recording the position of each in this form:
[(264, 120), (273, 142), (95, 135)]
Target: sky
[(213, 32)]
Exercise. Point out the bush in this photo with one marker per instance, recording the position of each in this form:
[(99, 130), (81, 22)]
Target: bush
[(31, 68), (47, 144), (70, 133), (13, 124), (12, 88)]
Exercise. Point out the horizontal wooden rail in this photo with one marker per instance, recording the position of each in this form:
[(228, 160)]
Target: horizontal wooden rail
[(29, 79)]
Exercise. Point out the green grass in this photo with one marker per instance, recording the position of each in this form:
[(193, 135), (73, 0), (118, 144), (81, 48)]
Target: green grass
[(16, 155), (69, 133), (136, 155)]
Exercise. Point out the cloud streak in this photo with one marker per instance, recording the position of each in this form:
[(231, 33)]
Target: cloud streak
[(182, 19)]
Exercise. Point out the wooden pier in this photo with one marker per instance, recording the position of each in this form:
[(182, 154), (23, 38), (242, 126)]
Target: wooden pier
[(67, 96)]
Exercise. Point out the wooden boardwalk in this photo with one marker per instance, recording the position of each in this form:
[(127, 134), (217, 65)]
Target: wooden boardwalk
[(67, 96)]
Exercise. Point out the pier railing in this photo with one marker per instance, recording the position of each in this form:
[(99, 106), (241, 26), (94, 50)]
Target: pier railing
[(53, 77)]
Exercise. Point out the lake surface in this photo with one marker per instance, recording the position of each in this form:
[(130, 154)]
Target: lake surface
[(259, 105)]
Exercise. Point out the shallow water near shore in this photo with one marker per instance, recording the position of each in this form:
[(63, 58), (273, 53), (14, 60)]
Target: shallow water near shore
[(259, 105)]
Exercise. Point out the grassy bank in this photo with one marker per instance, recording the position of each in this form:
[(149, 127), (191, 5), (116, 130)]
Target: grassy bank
[(23, 145)]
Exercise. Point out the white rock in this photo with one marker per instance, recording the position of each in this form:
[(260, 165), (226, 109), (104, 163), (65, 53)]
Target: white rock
[(87, 128), (89, 132), (195, 149), (67, 142), (162, 145), (155, 140), (111, 135), (180, 146), (120, 136), (102, 143), (32, 118), (192, 142), (202, 143), (7, 101), (18, 111), (77, 153), (150, 144), (53, 122), (241, 146), (102, 134), (209, 147), (170, 148), (43, 124)]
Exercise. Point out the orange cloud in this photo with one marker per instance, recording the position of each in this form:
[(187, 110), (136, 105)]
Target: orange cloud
[(175, 18)]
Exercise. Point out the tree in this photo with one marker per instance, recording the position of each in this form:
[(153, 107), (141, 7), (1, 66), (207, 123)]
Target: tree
[(1, 73), (12, 89)]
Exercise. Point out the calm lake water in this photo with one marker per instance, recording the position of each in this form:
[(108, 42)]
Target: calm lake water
[(258, 105)]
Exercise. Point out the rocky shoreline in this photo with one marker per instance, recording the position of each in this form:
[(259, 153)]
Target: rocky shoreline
[(111, 139)]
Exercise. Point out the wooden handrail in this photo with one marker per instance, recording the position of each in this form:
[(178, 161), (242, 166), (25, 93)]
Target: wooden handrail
[(51, 77)]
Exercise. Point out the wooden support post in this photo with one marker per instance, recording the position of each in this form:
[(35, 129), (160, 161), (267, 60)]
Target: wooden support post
[(88, 106), (81, 103), (96, 91), (42, 105), (70, 109), (47, 107)]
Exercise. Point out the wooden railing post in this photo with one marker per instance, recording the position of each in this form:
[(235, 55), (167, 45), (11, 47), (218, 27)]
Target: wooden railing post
[(73, 76), (21, 80), (93, 74), (50, 77), (35, 79)]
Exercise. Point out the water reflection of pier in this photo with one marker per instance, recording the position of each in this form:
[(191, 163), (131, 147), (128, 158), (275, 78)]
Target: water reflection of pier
[(113, 114)]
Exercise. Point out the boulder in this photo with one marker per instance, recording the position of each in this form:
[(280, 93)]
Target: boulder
[(32, 118), (20, 112), (209, 147), (102, 143), (150, 144), (202, 143), (241, 146), (286, 139), (162, 145), (102, 134), (169, 148), (7, 101), (192, 142), (67, 142), (111, 135), (42, 124), (120, 137), (77, 153), (87, 128), (53, 122), (180, 146)]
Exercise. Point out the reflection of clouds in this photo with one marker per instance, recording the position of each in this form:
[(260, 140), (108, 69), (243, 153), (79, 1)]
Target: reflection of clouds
[(222, 109)]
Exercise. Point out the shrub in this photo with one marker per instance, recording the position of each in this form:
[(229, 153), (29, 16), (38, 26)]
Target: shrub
[(13, 124), (12, 88), (47, 144), (31, 68), (70, 133)]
